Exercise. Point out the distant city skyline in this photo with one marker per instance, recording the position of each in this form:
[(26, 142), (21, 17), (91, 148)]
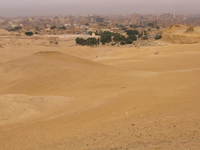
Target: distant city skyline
[(101, 7)]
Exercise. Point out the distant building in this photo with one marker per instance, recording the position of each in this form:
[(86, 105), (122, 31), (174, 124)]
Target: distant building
[(99, 20), (95, 19)]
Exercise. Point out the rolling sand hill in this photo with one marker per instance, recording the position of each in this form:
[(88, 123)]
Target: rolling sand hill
[(106, 98), (4, 32), (182, 34), (44, 71)]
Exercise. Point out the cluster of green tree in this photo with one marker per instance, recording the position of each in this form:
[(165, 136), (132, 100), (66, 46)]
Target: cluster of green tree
[(29, 33), (146, 25), (117, 38), (58, 27), (88, 42), (136, 26), (107, 37)]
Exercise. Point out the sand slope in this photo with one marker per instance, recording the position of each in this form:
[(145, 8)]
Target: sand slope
[(182, 34), (42, 78), (125, 98), (45, 72)]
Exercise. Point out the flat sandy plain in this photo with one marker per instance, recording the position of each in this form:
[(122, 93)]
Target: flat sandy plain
[(67, 97)]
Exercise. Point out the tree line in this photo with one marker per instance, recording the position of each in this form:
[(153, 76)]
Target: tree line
[(107, 37), (114, 38)]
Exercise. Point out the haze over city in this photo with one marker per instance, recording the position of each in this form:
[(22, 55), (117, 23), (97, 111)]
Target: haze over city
[(80, 7)]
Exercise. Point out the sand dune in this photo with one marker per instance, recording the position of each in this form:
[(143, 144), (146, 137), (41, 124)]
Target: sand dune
[(4, 32), (32, 83), (100, 98), (182, 34), (45, 72)]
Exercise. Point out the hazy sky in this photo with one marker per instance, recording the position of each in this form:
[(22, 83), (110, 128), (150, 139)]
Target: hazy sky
[(84, 7)]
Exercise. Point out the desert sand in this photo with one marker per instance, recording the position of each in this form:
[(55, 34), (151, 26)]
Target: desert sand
[(67, 97)]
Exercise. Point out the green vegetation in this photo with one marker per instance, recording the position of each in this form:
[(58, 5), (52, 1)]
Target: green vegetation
[(117, 37), (89, 41), (132, 32), (113, 38), (158, 36), (133, 35), (80, 41), (92, 41), (106, 37), (90, 32), (29, 33)]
